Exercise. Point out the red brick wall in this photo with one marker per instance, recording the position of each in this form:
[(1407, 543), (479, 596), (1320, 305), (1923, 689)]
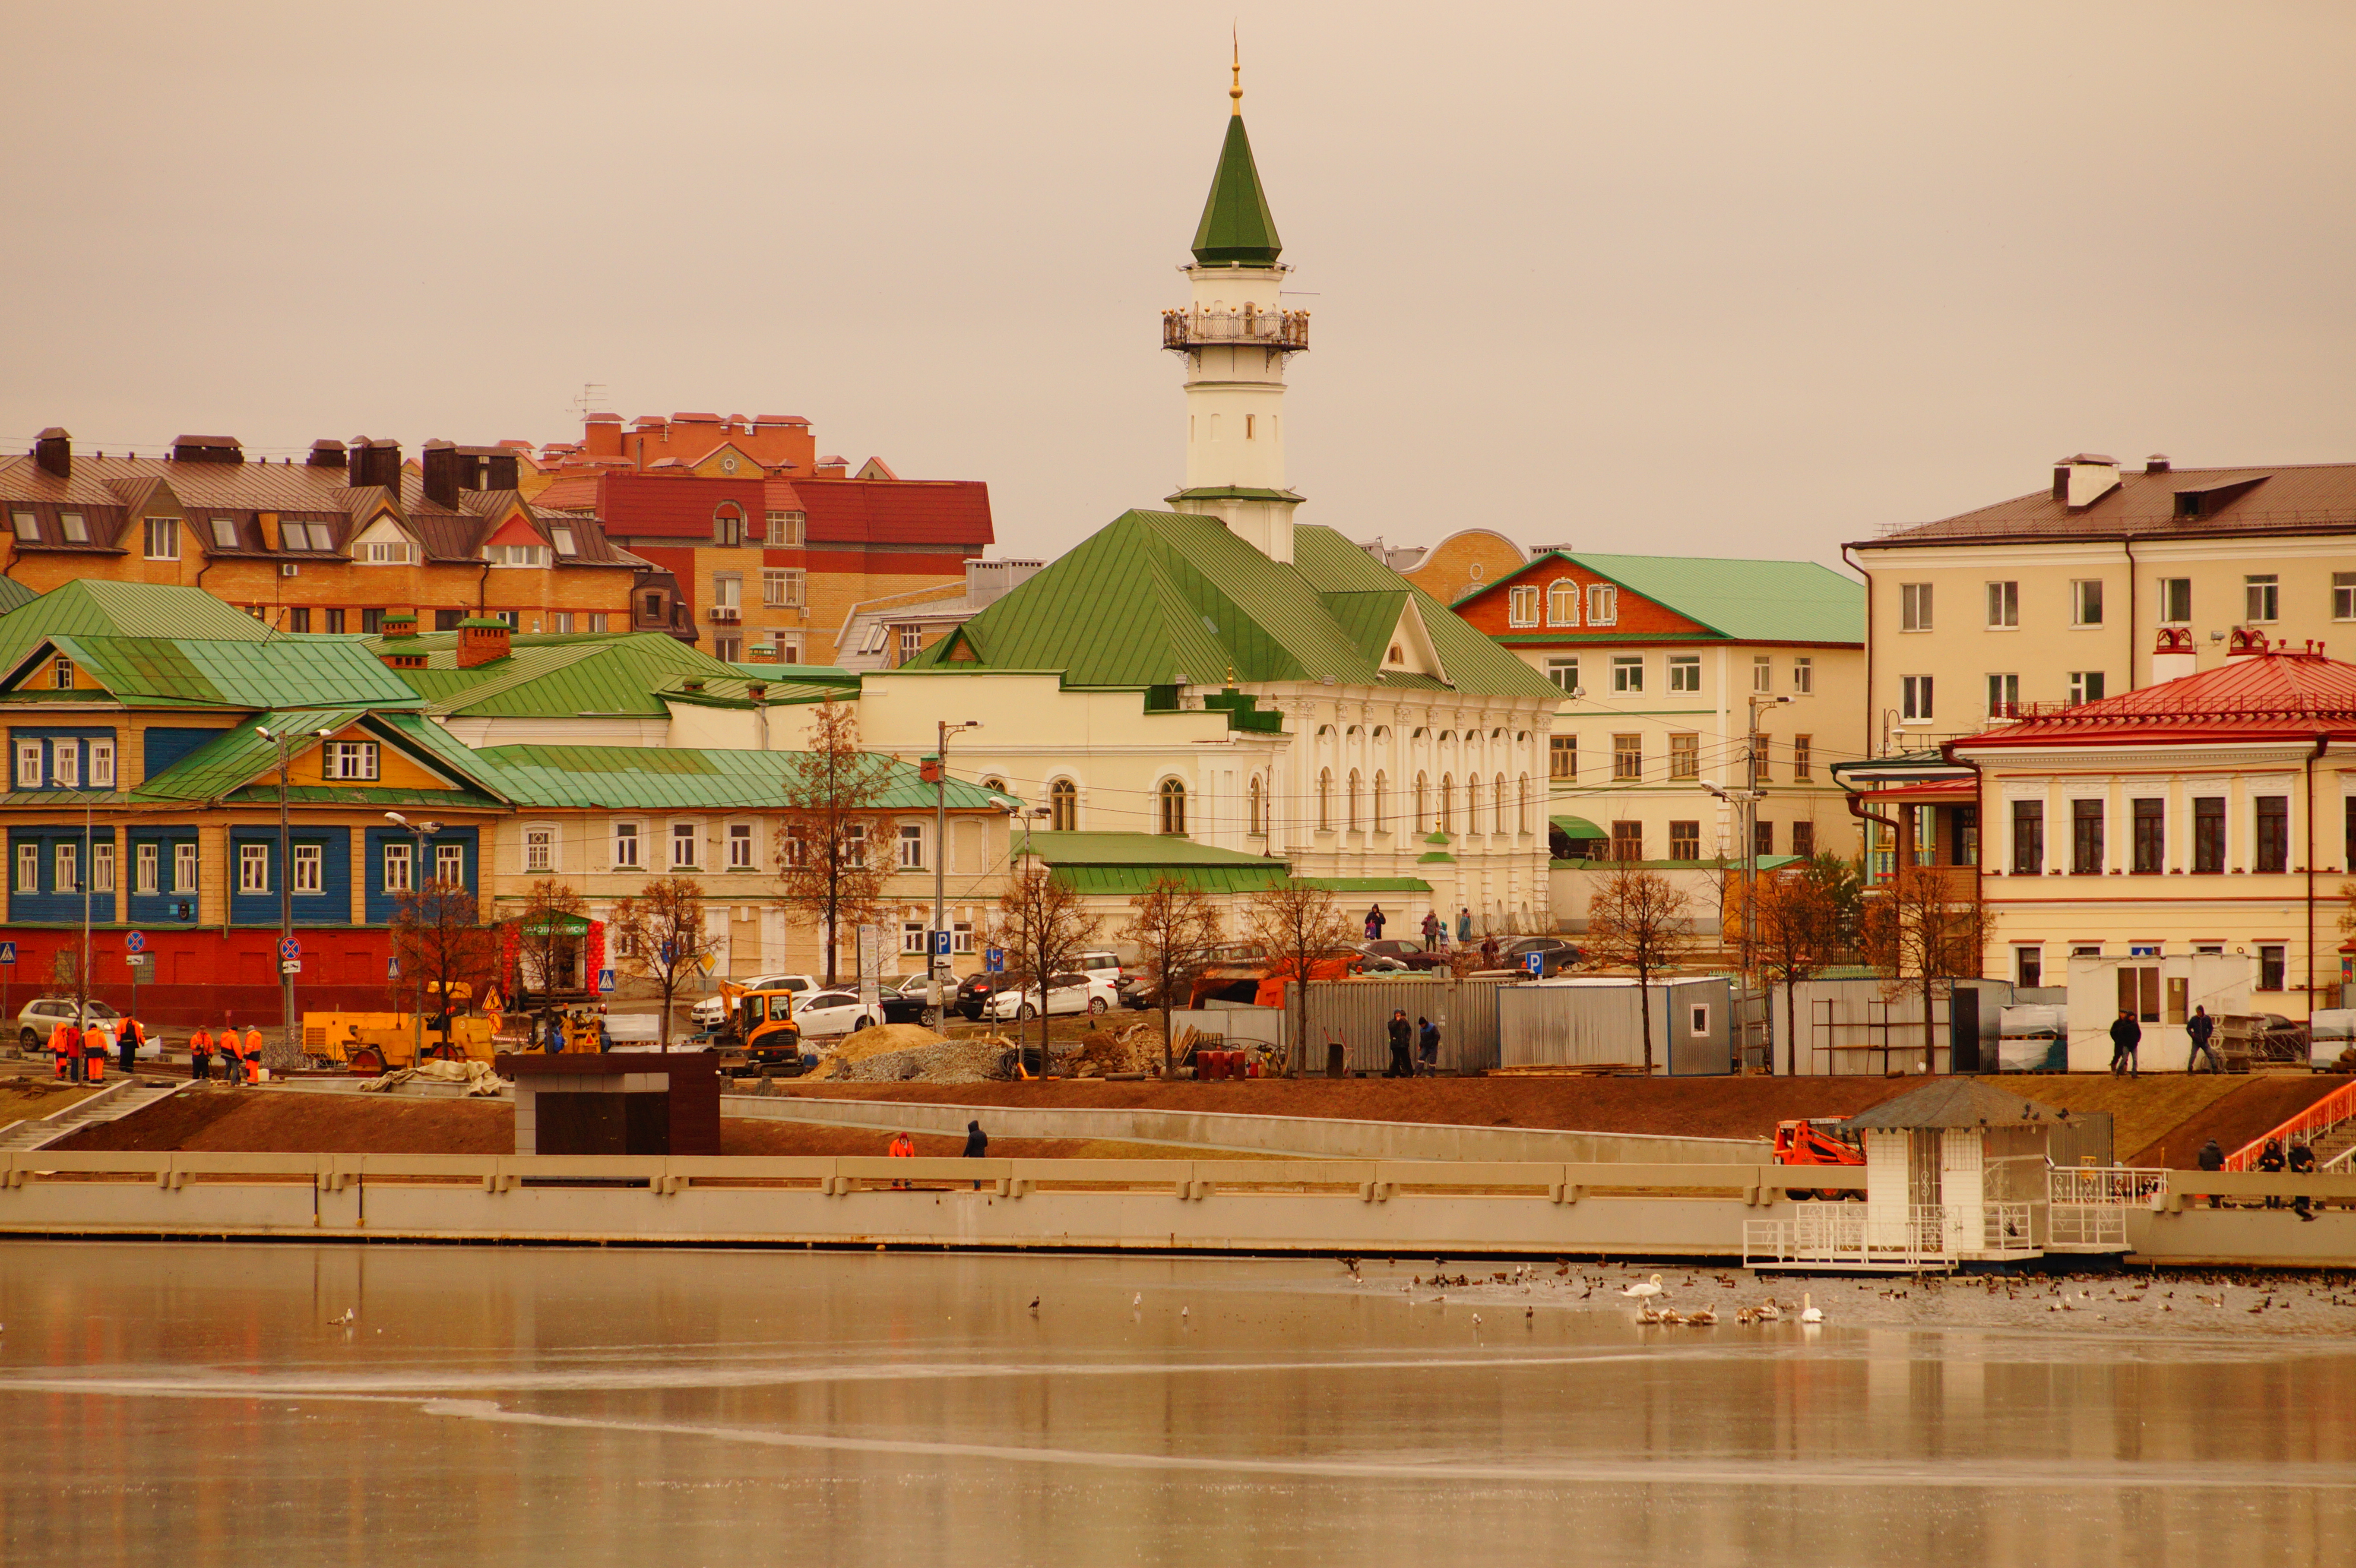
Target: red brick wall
[(1638, 616)]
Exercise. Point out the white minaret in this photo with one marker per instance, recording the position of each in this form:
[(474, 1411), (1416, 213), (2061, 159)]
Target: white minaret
[(1235, 337)]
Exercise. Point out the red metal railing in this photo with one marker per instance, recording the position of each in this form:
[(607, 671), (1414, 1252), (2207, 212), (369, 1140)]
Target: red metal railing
[(2334, 1108)]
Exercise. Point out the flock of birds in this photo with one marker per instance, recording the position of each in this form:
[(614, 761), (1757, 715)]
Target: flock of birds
[(1768, 1311)]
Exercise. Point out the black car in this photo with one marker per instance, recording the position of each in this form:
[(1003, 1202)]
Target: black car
[(1559, 954), (973, 994), (1404, 952), (905, 1002)]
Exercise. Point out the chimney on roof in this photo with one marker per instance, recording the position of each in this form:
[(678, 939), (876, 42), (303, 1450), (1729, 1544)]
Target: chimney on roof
[(500, 471), (398, 623), (325, 454), (375, 462), (53, 452), (208, 449), (442, 482), (2155, 463), (2080, 481), (482, 639), (2172, 655), (2243, 642)]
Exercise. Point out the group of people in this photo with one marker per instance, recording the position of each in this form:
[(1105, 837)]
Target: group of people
[(1435, 932), (241, 1060), (81, 1053), (1414, 1047), (2299, 1159), (2126, 1042)]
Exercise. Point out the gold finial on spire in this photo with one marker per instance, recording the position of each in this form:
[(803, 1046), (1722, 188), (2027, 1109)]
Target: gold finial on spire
[(1236, 92)]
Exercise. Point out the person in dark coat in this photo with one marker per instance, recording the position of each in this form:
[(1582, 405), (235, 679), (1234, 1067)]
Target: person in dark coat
[(2212, 1158), (2125, 1036), (2302, 1163), (2198, 1030), (1427, 1045), (1402, 1038), (977, 1142), (1374, 923), (2270, 1159), (127, 1043), (1489, 953)]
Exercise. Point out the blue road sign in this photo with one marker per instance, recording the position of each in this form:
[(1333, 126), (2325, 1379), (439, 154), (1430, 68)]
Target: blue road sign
[(605, 982), (290, 949), (941, 944), (993, 959), (666, 953), (136, 942), (1534, 961), (7, 953)]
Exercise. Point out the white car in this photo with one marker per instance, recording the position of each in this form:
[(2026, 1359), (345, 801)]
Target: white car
[(712, 1011), (45, 1013), (1073, 992), (823, 1013)]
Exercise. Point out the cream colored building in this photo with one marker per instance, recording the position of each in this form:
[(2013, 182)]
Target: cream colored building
[(2058, 596), (2210, 815)]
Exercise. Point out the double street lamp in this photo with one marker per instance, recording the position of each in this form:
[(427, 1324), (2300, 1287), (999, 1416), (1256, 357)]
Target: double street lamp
[(419, 832), (290, 1036)]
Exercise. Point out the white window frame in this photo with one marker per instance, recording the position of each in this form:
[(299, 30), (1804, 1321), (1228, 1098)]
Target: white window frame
[(252, 869), (560, 538), (912, 846), (399, 866), (783, 527), (2086, 685), (162, 538), (783, 587), (1804, 677), (65, 762), (29, 868), (629, 846), (740, 846), (1763, 672), (912, 939), (1564, 673), (1916, 695), (73, 527), (539, 848), (1602, 604), (692, 838), (102, 866), (310, 867), (184, 867), (2003, 693), (68, 858), (2085, 594), (29, 765), (101, 765), (2262, 599), (2174, 587), (350, 761), (1915, 607), (1562, 603), (147, 869), (388, 552), (2003, 605), (450, 864), (506, 556), (1627, 674), (1685, 672), (1522, 604), (728, 591)]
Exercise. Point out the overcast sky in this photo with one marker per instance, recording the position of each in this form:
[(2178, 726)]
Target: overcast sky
[(1698, 279)]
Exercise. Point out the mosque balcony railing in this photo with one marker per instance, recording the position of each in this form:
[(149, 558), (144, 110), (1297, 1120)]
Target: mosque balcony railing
[(1280, 329)]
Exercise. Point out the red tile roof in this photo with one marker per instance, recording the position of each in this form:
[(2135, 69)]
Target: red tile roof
[(2255, 696), (2279, 498), (954, 512)]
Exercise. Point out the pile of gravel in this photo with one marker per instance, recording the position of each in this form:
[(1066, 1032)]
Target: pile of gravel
[(951, 1061)]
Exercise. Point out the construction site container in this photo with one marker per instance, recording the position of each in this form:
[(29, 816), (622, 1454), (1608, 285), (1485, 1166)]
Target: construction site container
[(2033, 1039), (2330, 1032), (1598, 1021), (1355, 1012)]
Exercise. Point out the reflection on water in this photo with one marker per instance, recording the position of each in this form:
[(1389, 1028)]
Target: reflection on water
[(651, 1408)]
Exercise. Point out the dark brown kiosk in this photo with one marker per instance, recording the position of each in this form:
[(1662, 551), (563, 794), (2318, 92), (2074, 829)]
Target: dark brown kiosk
[(634, 1102)]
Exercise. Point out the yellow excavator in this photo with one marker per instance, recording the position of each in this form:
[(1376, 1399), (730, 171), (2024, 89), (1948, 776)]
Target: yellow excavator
[(763, 1023)]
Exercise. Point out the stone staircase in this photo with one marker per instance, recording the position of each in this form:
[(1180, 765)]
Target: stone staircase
[(2334, 1145), (118, 1099)]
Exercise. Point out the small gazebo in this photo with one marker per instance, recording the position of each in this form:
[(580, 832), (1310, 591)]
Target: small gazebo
[(1958, 1170)]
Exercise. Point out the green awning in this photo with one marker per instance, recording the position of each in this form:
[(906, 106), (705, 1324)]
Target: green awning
[(1578, 827)]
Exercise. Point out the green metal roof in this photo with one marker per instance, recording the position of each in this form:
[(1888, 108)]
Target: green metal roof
[(1368, 884), (14, 596), (657, 779), (799, 674), (193, 672), (633, 674), (1134, 849), (228, 765), (1237, 225), (1166, 598), (1129, 882), (1743, 601), (99, 608), (1578, 828)]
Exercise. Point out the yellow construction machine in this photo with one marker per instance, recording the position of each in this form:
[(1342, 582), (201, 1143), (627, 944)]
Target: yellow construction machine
[(763, 1027)]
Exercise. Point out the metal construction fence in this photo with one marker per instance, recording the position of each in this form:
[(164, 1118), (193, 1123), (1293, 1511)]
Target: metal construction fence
[(1357, 1013)]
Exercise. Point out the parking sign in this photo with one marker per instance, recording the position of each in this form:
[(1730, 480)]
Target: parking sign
[(993, 959), (940, 943), (1534, 961)]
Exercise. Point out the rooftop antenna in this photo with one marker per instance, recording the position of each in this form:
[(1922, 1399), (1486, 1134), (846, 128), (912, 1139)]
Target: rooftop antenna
[(591, 394)]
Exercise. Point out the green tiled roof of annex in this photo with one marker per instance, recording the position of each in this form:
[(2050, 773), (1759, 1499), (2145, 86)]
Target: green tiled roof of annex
[(643, 778)]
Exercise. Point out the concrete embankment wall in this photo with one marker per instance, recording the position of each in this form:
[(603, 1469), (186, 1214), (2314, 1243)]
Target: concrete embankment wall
[(1316, 1137)]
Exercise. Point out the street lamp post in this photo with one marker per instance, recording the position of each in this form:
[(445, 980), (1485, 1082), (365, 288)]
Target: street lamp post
[(290, 1039), (418, 832), (935, 964)]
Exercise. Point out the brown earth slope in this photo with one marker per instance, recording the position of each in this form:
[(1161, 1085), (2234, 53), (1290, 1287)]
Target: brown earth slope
[(2255, 1107)]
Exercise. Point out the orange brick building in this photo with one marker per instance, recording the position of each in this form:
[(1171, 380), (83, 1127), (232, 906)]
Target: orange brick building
[(331, 544)]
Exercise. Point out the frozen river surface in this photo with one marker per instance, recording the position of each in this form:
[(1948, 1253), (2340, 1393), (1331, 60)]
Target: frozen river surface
[(195, 1405)]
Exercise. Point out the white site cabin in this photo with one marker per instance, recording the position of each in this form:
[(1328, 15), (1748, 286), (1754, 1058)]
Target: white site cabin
[(1957, 1173)]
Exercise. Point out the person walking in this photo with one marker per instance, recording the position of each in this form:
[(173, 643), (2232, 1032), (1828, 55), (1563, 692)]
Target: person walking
[(1489, 953), (94, 1051), (1402, 1038), (200, 1054), (2198, 1030), (1464, 924), (253, 1054), (2212, 1158), (1426, 1046), (2125, 1036), (1374, 923), (977, 1145), (2271, 1160), (2302, 1163), (127, 1043), (1435, 934), (62, 1044)]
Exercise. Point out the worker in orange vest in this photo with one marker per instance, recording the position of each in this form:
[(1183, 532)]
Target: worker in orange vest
[(93, 1051), (902, 1147), (61, 1046), (200, 1053), (253, 1054)]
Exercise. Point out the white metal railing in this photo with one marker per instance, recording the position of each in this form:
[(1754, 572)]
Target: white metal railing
[(1267, 328), (2008, 1229), (2087, 1204), (1846, 1235)]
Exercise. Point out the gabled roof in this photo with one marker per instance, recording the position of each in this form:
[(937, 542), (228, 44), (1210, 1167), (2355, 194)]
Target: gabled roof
[(1123, 864), (2268, 696), (1958, 1103), (234, 766), (953, 514), (1237, 225), (1742, 600), (646, 778), (291, 671), (14, 596), (566, 675), (1166, 598), (2286, 498), (94, 606)]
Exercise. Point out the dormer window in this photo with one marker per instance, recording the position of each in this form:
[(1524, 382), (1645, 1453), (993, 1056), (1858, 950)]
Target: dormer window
[(563, 539), (1398, 655), (72, 528), (516, 554), (61, 673), (224, 533), (350, 760), (1602, 604), (28, 527), (391, 552), (305, 536)]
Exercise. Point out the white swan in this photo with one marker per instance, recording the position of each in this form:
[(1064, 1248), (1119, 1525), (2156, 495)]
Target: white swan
[(1644, 1292), (1769, 1313), (1809, 1311)]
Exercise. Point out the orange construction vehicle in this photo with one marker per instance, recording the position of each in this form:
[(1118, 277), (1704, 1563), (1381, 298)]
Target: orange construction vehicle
[(1818, 1143)]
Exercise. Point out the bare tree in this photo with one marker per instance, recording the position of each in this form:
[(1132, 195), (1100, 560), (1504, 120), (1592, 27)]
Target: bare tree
[(661, 935), (1044, 927), (830, 850), (1796, 928), (548, 932), (1300, 925), (1639, 920), (1919, 933), (439, 937), (1175, 927)]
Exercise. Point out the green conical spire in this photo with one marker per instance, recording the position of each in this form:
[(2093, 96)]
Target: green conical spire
[(1237, 224)]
